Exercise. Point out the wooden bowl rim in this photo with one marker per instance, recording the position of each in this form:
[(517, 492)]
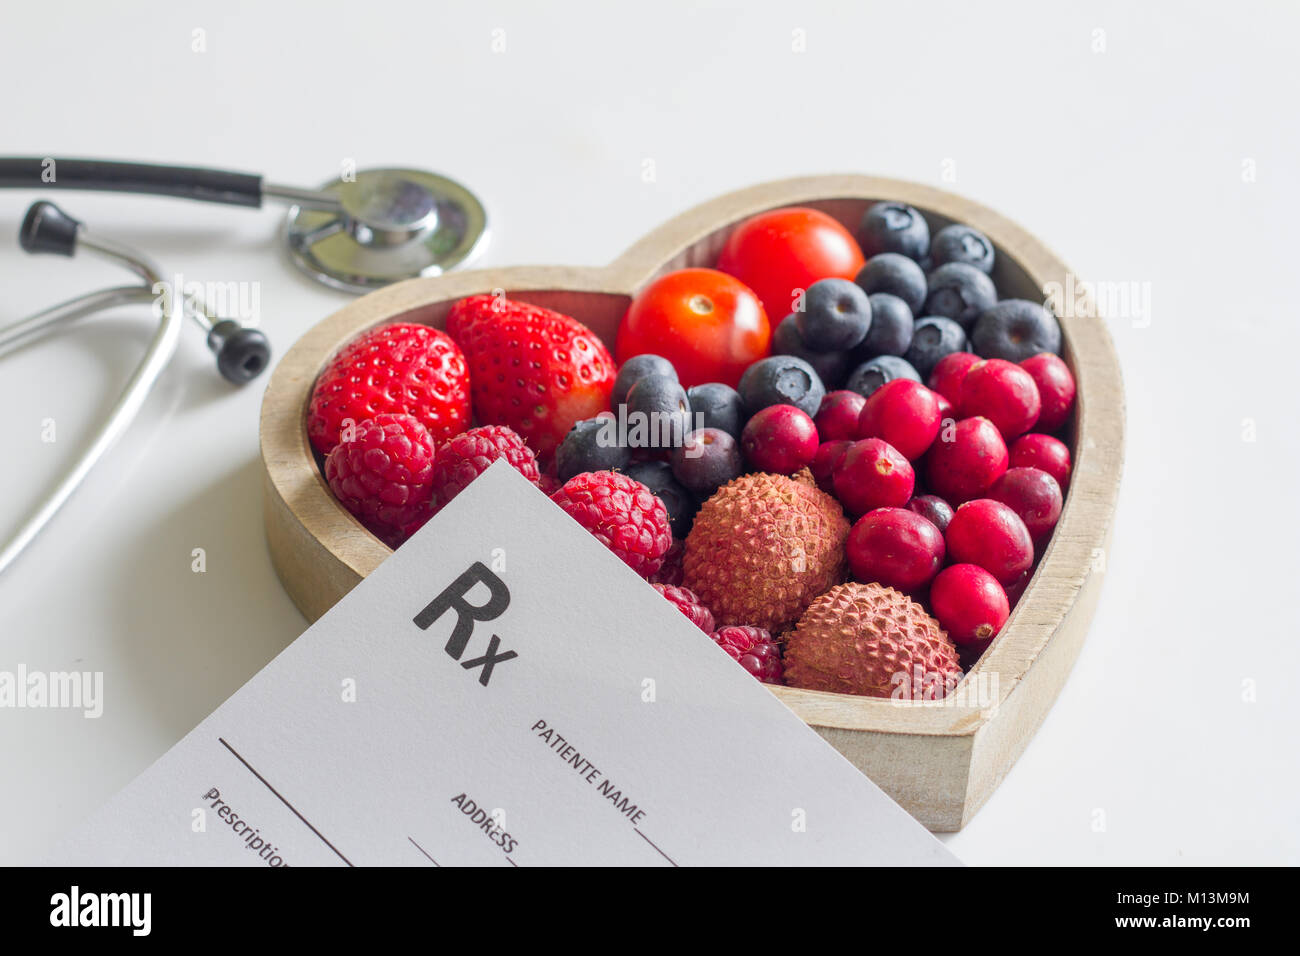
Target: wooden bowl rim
[(1070, 558)]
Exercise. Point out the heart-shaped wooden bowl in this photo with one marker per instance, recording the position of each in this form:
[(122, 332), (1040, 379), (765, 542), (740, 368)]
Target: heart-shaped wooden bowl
[(940, 760)]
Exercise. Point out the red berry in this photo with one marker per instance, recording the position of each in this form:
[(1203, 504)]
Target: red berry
[(947, 375), (381, 473), (990, 534), (623, 514), (933, 509), (946, 408), (780, 439), (838, 416), (402, 368), (872, 474), (754, 649), (670, 572), (823, 464), (967, 457), (895, 547), (1017, 587), (969, 603), (1002, 392), (533, 369), (1034, 495), (470, 453), (688, 602), (904, 413), (1055, 388), (1045, 452)]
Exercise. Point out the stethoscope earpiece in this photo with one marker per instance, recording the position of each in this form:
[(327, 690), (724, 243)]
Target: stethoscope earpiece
[(242, 353)]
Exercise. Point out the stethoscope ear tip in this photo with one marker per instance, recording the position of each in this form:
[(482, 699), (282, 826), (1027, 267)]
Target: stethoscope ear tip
[(242, 353), (47, 228)]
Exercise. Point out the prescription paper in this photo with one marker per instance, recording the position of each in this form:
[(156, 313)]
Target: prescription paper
[(503, 691)]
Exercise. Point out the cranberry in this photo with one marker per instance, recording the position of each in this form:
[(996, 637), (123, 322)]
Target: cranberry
[(780, 439), (1055, 388), (946, 408), (895, 547), (823, 464), (990, 534), (968, 456), (872, 474), (933, 509), (947, 375), (1016, 589), (905, 414), (838, 416), (1002, 392), (1034, 495), (1045, 452), (969, 603)]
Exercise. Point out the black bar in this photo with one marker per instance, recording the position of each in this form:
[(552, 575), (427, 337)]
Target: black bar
[(183, 182)]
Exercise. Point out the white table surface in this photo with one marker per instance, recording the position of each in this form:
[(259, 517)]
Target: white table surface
[(1174, 740)]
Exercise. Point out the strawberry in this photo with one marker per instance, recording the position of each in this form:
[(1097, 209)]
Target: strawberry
[(402, 368), (531, 369)]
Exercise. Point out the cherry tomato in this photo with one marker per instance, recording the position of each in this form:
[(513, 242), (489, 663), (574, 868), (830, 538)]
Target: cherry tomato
[(708, 324), (780, 252)]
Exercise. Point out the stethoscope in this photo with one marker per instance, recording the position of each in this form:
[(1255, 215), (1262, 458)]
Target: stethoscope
[(359, 232)]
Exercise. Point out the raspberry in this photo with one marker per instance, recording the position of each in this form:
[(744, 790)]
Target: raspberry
[(688, 602), (407, 368), (469, 454), (754, 649), (381, 473), (623, 514)]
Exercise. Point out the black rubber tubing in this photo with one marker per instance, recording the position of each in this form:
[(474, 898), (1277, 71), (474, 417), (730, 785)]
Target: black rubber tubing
[(184, 182)]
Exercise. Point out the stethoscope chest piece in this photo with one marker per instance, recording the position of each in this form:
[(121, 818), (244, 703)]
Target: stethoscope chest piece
[(389, 225)]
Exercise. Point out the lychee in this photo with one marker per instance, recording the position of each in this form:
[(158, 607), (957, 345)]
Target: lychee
[(873, 641), (763, 547)]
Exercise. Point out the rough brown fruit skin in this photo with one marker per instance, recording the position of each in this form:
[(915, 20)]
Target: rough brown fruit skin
[(869, 640), (763, 547)]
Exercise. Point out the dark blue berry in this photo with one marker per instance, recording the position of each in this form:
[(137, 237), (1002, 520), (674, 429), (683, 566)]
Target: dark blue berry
[(590, 445), (872, 374), (1015, 329), (831, 367), (781, 380), (708, 459), (959, 291), (836, 315), (934, 337), (891, 327), (894, 227), (896, 274), (635, 369), (957, 243), (658, 413), (715, 405), (680, 503)]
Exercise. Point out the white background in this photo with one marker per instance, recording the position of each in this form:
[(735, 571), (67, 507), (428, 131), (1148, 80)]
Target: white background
[(1174, 740)]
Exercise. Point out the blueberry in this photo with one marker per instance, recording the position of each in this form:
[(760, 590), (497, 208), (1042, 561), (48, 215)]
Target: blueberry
[(836, 315), (891, 327), (708, 459), (590, 445), (958, 243), (715, 405), (658, 477), (934, 337), (781, 380), (831, 367), (959, 291), (896, 274), (658, 413), (872, 374), (1015, 329), (635, 369), (894, 227)]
